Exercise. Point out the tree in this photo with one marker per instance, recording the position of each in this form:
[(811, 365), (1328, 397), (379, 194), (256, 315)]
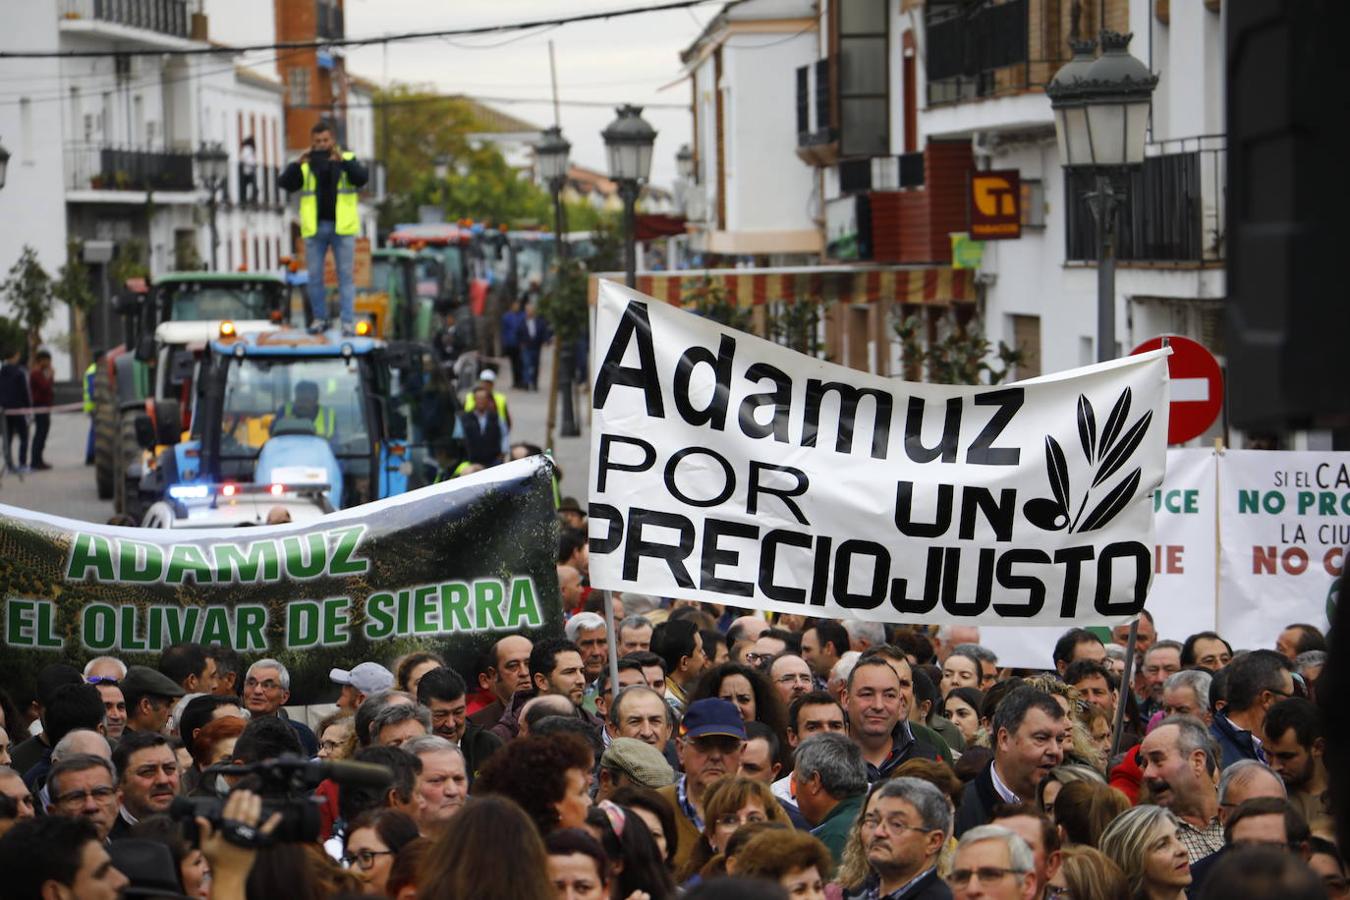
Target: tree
[(419, 130), (128, 263), (74, 289), (28, 289), (12, 337), (958, 354)]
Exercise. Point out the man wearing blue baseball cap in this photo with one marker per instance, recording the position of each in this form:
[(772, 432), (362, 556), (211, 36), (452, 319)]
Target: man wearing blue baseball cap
[(708, 746)]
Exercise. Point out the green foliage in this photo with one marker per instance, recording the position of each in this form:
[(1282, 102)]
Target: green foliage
[(72, 285), (12, 337), (797, 325), (958, 354), (707, 298), (128, 263), (417, 129), (28, 290), (564, 305)]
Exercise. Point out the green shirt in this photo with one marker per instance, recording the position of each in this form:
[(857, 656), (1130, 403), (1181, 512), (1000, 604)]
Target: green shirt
[(834, 828)]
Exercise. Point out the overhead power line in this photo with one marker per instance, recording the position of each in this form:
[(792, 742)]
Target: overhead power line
[(215, 50)]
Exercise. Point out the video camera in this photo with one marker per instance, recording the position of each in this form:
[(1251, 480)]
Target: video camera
[(286, 785)]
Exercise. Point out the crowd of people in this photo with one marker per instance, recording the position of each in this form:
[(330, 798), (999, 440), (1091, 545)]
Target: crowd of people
[(733, 755)]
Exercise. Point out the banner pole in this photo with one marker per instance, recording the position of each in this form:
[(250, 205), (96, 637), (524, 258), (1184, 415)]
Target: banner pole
[(1125, 685), (613, 643)]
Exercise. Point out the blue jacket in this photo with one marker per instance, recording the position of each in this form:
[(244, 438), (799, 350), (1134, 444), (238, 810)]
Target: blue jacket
[(1235, 743), (513, 325)]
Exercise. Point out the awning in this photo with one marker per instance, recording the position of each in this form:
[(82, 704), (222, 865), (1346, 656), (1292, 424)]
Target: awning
[(930, 285)]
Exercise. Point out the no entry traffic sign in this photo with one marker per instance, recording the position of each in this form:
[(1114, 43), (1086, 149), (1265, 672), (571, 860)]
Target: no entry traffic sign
[(1197, 387)]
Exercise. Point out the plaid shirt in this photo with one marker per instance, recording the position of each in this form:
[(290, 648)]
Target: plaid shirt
[(1200, 842), (682, 797)]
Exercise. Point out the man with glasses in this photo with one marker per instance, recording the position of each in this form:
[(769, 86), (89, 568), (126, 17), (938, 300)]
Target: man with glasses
[(267, 688), (708, 747), (790, 674), (1259, 822), (1161, 662), (903, 829), (1256, 682), (148, 779), (994, 863), (84, 785), (770, 644)]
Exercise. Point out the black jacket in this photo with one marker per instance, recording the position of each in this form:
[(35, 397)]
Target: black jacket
[(929, 887), (326, 176), (477, 745), (14, 387), (977, 802)]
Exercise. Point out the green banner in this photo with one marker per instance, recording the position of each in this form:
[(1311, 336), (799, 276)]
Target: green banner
[(449, 568)]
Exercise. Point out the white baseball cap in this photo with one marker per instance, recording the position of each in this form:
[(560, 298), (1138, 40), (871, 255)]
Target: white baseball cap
[(368, 677), (488, 375)]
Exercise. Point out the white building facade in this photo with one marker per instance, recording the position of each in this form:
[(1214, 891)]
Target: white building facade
[(908, 97), (104, 147)]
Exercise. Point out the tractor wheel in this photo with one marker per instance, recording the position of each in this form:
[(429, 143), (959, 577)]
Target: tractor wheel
[(105, 433), (127, 489)]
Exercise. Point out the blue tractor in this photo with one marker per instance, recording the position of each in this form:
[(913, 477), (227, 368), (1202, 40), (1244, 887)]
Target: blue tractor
[(284, 416)]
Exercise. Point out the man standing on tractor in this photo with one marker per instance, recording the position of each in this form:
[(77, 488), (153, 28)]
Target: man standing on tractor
[(327, 178)]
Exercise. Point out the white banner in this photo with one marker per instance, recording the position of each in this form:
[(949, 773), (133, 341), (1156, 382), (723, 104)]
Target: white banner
[(1285, 521), (1182, 599), (731, 469)]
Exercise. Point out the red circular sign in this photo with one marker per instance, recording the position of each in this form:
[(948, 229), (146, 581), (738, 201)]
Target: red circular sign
[(1196, 388)]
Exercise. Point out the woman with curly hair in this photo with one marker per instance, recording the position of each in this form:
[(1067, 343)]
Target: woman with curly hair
[(488, 851), (728, 803), (548, 776), (751, 692), (1079, 747), (412, 667)]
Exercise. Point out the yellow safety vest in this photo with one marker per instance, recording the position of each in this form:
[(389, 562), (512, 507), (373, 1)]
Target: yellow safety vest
[(499, 398), (347, 217), (89, 375), (323, 419)]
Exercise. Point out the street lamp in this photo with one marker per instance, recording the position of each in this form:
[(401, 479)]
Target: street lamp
[(629, 140), (213, 167), (552, 151), (684, 163), (4, 164), (1101, 111), (1101, 122)]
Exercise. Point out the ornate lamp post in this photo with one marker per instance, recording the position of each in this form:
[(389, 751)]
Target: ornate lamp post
[(552, 151), (4, 164), (213, 168), (1101, 121), (629, 140)]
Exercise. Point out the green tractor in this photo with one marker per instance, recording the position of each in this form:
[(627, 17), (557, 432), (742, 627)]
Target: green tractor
[(167, 324), (403, 298)]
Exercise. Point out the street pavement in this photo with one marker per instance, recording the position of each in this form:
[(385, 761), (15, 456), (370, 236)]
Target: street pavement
[(67, 489)]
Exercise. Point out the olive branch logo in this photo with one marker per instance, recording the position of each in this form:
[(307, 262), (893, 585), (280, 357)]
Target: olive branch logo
[(1107, 453)]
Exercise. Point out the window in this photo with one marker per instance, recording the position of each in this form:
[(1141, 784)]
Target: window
[(1033, 203), (803, 99), (911, 169), (297, 86), (862, 70), (1026, 337), (855, 175)]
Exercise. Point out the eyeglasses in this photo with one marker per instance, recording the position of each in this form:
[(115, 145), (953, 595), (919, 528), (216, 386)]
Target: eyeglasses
[(269, 685), (1055, 892), (758, 659), (986, 874), (101, 679), (731, 820), (76, 798), (892, 823), (331, 746), (364, 858)]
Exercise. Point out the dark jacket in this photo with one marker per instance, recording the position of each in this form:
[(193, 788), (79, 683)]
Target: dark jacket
[(14, 387), (1200, 870), (482, 443), (834, 828), (508, 725), (513, 328), (488, 715), (977, 802), (1235, 743), (477, 745), (326, 175), (929, 887), (904, 746), (41, 387)]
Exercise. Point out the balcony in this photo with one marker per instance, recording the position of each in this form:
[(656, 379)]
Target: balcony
[(817, 140), (987, 49), (1174, 214), (93, 167), (166, 17)]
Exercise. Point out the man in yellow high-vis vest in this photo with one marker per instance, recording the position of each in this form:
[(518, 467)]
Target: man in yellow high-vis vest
[(328, 178)]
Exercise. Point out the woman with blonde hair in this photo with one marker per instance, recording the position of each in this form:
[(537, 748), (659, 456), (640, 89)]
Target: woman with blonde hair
[(728, 803), (1060, 776), (1086, 873), (1143, 842), (1079, 747)]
